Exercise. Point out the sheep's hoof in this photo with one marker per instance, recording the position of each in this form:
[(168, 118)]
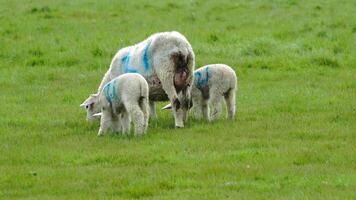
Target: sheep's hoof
[(179, 126)]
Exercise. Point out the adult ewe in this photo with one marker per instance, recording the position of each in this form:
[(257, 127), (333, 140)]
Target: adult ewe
[(166, 60), (211, 84), (122, 99)]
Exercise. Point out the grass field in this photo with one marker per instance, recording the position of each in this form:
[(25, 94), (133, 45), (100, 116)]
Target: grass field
[(294, 136)]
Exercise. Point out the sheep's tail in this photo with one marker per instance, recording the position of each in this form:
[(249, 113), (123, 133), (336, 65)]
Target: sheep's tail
[(182, 61), (183, 64)]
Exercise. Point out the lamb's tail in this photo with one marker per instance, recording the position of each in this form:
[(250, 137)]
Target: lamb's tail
[(234, 80), (144, 91)]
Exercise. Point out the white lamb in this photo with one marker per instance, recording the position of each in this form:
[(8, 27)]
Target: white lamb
[(211, 84), (166, 60), (123, 98)]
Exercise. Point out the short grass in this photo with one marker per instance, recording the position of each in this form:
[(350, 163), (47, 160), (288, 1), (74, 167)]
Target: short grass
[(295, 132)]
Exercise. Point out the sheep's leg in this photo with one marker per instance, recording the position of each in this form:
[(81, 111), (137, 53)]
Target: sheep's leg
[(230, 103), (116, 126), (184, 98), (105, 122), (177, 110), (153, 109), (144, 107), (178, 114), (126, 123), (166, 75), (215, 102), (137, 118)]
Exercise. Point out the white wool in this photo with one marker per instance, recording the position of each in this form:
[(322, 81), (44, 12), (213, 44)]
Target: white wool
[(122, 99), (152, 58), (212, 83)]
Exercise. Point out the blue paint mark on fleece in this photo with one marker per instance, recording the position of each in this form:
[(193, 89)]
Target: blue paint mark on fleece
[(146, 58), (201, 81), (126, 61), (110, 91)]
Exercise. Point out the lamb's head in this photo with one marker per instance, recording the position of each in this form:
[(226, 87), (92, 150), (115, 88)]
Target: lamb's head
[(91, 105)]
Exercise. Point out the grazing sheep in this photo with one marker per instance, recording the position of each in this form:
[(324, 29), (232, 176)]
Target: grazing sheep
[(124, 97), (211, 84), (166, 60)]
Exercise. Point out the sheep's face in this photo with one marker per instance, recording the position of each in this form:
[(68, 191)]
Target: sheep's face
[(91, 105)]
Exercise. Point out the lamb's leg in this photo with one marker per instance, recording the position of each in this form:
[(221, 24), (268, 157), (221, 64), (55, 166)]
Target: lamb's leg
[(230, 103), (126, 123), (215, 102), (153, 110), (105, 122), (197, 103), (144, 107), (116, 126), (205, 109), (197, 108), (137, 118)]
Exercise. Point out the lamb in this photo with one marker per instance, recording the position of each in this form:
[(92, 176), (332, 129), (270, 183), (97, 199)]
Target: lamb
[(211, 84), (124, 97), (166, 60)]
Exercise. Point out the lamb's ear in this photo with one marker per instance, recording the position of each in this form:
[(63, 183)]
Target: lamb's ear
[(91, 99), (97, 114), (85, 103), (167, 107)]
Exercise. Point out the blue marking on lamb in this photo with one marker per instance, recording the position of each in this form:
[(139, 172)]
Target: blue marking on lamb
[(201, 80)]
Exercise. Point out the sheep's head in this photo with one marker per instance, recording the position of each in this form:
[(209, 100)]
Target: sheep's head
[(91, 105)]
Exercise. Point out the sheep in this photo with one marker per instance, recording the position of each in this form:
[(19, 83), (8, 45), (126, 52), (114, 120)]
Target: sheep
[(166, 60), (211, 83), (124, 97)]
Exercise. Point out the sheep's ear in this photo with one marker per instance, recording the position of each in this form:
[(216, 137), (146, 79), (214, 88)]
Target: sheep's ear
[(167, 107), (97, 114)]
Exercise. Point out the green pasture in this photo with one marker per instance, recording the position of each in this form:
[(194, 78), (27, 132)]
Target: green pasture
[(295, 132)]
